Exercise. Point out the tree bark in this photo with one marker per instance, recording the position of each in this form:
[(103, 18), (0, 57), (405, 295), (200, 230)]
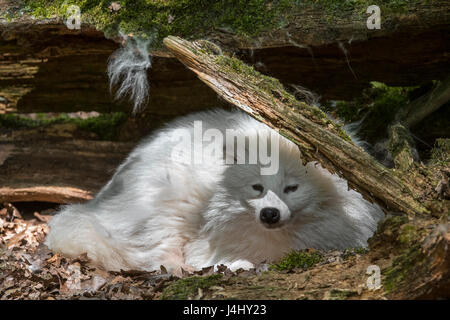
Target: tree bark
[(38, 168), (318, 138), (401, 147), (420, 108), (44, 65), (44, 194)]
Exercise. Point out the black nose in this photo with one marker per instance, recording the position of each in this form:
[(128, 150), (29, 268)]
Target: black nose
[(270, 215)]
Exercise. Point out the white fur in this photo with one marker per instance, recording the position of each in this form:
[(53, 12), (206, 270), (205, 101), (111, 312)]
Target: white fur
[(155, 211), (127, 69)]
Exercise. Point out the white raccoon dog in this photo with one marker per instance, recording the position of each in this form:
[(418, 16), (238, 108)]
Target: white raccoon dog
[(156, 211)]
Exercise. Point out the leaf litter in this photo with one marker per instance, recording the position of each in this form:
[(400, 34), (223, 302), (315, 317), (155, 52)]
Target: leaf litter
[(29, 270)]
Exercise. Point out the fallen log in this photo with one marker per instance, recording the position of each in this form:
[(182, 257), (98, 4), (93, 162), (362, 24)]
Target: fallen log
[(36, 168), (52, 194), (401, 147), (319, 139), (316, 48)]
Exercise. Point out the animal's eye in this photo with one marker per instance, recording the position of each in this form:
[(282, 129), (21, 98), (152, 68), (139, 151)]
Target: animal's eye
[(290, 188), (258, 187)]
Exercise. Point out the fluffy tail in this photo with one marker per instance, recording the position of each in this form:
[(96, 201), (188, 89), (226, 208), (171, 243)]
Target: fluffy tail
[(74, 232)]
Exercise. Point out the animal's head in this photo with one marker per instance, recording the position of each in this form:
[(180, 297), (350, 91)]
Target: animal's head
[(293, 193)]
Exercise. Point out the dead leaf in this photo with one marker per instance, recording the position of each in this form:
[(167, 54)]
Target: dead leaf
[(13, 212), (42, 218), (56, 260), (82, 258), (16, 239), (114, 6), (207, 271), (118, 279)]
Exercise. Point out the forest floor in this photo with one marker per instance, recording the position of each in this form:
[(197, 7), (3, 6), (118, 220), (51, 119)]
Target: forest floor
[(29, 270), (411, 252)]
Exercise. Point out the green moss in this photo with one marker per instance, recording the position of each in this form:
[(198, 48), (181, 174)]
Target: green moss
[(408, 234), (376, 108), (234, 64), (185, 18), (406, 239), (197, 18), (338, 294), (266, 83), (391, 224), (401, 147), (188, 287), (276, 89), (403, 268), (400, 140), (387, 231), (10, 120), (344, 135), (297, 259), (348, 112), (441, 152), (105, 126), (386, 101), (349, 252), (341, 6)]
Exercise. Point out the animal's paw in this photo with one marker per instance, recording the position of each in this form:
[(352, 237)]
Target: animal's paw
[(241, 264)]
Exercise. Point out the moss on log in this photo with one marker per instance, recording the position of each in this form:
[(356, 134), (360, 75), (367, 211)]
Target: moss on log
[(313, 47)]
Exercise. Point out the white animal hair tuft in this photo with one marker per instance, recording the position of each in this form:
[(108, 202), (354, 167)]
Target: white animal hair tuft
[(352, 129), (127, 69)]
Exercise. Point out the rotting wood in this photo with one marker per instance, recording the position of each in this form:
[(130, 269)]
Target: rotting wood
[(44, 194), (37, 168), (315, 50)]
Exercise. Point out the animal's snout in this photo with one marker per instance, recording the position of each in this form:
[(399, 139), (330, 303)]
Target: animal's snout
[(270, 215)]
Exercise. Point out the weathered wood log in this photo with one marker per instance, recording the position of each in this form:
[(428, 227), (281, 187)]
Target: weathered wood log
[(44, 194), (36, 168), (318, 138), (401, 147), (314, 50)]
